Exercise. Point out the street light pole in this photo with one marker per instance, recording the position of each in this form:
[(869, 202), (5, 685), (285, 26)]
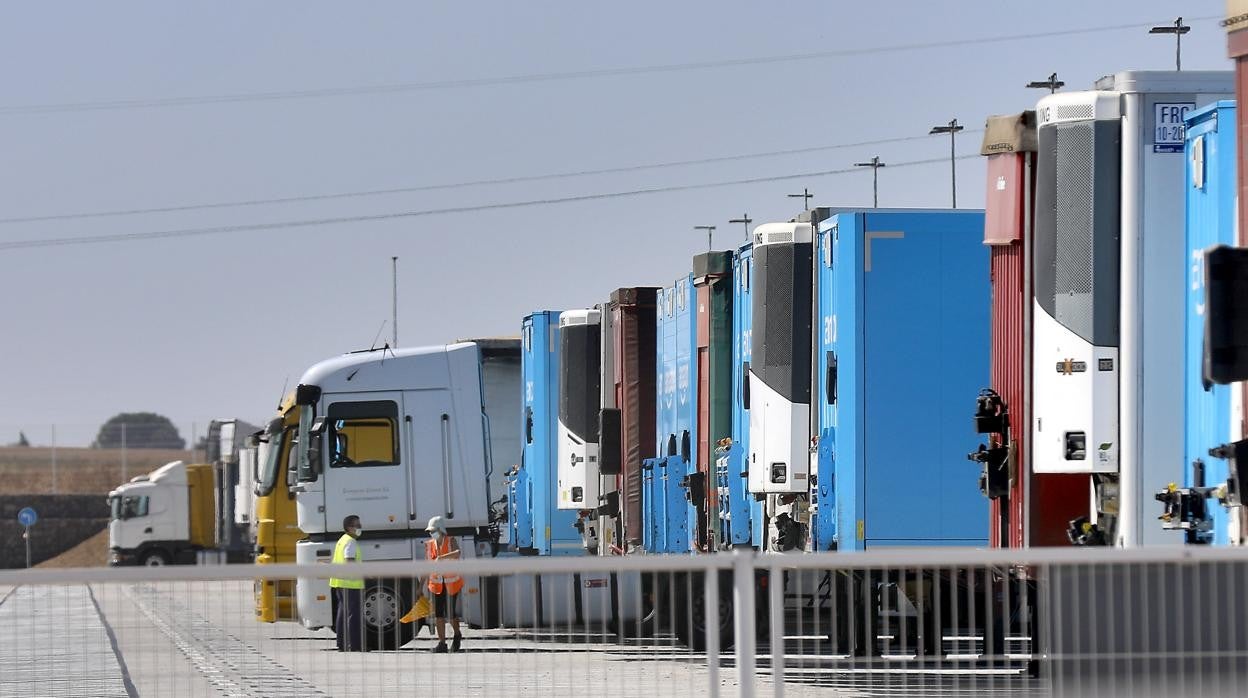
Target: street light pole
[(805, 196), (745, 219), (952, 129), (1052, 84), (710, 231), (394, 300), (875, 166), (1178, 29)]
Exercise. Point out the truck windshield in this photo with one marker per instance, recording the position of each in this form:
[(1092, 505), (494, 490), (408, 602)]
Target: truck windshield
[(128, 507), (271, 468)]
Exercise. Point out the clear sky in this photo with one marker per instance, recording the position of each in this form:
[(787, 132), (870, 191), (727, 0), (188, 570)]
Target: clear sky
[(214, 325)]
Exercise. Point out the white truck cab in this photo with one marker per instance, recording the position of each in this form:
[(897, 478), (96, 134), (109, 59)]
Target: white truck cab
[(163, 517), (397, 437)]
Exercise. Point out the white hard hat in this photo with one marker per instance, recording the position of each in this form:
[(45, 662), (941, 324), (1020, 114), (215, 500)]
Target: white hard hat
[(436, 523)]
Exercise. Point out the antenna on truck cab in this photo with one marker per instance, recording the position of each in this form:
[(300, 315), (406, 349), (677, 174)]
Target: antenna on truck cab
[(373, 346)]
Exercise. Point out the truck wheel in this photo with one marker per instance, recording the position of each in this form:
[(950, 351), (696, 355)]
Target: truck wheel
[(155, 558), (688, 612), (382, 605)]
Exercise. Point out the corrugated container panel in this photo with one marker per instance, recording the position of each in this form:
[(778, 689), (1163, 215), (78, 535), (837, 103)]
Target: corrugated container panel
[(633, 316), (1038, 507)]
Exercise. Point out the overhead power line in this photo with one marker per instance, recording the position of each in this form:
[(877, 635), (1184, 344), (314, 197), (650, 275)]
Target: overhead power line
[(552, 77), (280, 225), (451, 185)]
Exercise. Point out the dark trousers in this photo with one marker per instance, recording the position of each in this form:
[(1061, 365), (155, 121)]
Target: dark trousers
[(347, 623)]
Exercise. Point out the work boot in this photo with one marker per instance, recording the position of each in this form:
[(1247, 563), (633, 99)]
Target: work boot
[(455, 642), (441, 646)]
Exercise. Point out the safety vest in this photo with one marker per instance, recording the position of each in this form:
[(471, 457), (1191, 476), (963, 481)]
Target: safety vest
[(453, 582), (340, 558)]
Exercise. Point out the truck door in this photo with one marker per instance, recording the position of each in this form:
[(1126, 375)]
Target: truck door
[(364, 461), (430, 437)]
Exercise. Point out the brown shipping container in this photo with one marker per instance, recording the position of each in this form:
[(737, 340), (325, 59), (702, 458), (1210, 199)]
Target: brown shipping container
[(1038, 507), (633, 316)]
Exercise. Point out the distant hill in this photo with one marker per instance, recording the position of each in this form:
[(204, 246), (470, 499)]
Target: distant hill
[(79, 470)]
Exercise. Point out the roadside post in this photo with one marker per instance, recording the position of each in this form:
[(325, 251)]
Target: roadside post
[(27, 518)]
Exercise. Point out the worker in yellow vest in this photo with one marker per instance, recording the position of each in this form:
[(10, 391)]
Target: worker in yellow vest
[(444, 588), (348, 591)]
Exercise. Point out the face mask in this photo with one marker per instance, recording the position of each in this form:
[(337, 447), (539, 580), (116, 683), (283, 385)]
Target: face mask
[(359, 532), (437, 535)]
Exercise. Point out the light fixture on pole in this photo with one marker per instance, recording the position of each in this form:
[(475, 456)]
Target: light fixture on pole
[(875, 166), (746, 220), (952, 129), (710, 231), (1052, 84), (805, 196), (1178, 29)]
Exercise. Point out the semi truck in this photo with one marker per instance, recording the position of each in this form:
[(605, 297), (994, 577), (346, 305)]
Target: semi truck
[(184, 512), (162, 518), (399, 436)]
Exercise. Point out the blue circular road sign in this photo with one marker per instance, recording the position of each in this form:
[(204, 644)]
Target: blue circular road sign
[(27, 516)]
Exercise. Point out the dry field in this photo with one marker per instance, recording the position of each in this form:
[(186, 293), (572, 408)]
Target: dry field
[(79, 470)]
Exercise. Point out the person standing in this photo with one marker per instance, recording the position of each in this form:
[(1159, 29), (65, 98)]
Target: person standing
[(445, 588), (348, 591)]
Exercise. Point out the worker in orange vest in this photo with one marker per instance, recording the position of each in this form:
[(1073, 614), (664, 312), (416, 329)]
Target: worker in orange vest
[(444, 588)]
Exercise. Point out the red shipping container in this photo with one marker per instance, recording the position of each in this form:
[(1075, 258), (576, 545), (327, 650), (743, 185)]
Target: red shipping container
[(1038, 507)]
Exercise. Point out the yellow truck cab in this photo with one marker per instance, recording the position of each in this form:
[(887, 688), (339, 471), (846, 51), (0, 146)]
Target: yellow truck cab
[(277, 525)]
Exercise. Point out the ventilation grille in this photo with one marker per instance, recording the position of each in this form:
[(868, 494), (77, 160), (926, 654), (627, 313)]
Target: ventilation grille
[(774, 238), (1073, 258), (1075, 111)]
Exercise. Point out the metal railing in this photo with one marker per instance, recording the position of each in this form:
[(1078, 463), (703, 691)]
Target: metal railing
[(1053, 622)]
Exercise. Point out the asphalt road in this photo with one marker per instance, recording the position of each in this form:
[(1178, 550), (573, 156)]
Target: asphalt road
[(200, 639)]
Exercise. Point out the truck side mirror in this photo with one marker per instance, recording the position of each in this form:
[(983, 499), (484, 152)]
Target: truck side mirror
[(609, 455), (314, 444)]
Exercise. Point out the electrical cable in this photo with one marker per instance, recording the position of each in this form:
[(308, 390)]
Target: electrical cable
[(278, 225)]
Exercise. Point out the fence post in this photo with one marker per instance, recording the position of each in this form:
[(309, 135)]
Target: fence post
[(775, 608), (710, 596), (743, 602)]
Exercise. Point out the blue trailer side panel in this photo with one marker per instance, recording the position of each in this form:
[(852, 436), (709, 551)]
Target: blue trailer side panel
[(904, 304), (671, 517), (1210, 188), (550, 531), (736, 506)]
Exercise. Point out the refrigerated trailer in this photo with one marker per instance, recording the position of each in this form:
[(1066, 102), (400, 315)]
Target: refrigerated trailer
[(538, 526), (1107, 399)]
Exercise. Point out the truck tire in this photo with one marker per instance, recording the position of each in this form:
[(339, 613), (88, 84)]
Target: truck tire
[(382, 604), (155, 558), (688, 612)]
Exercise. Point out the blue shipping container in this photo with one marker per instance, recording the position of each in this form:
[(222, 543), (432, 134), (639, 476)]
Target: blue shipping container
[(1210, 154), (669, 518), (538, 525), (903, 338), (738, 510)]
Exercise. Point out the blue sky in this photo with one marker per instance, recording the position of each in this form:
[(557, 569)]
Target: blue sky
[(214, 325)]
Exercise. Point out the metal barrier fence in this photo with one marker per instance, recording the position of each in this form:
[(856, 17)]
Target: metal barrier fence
[(900, 622)]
